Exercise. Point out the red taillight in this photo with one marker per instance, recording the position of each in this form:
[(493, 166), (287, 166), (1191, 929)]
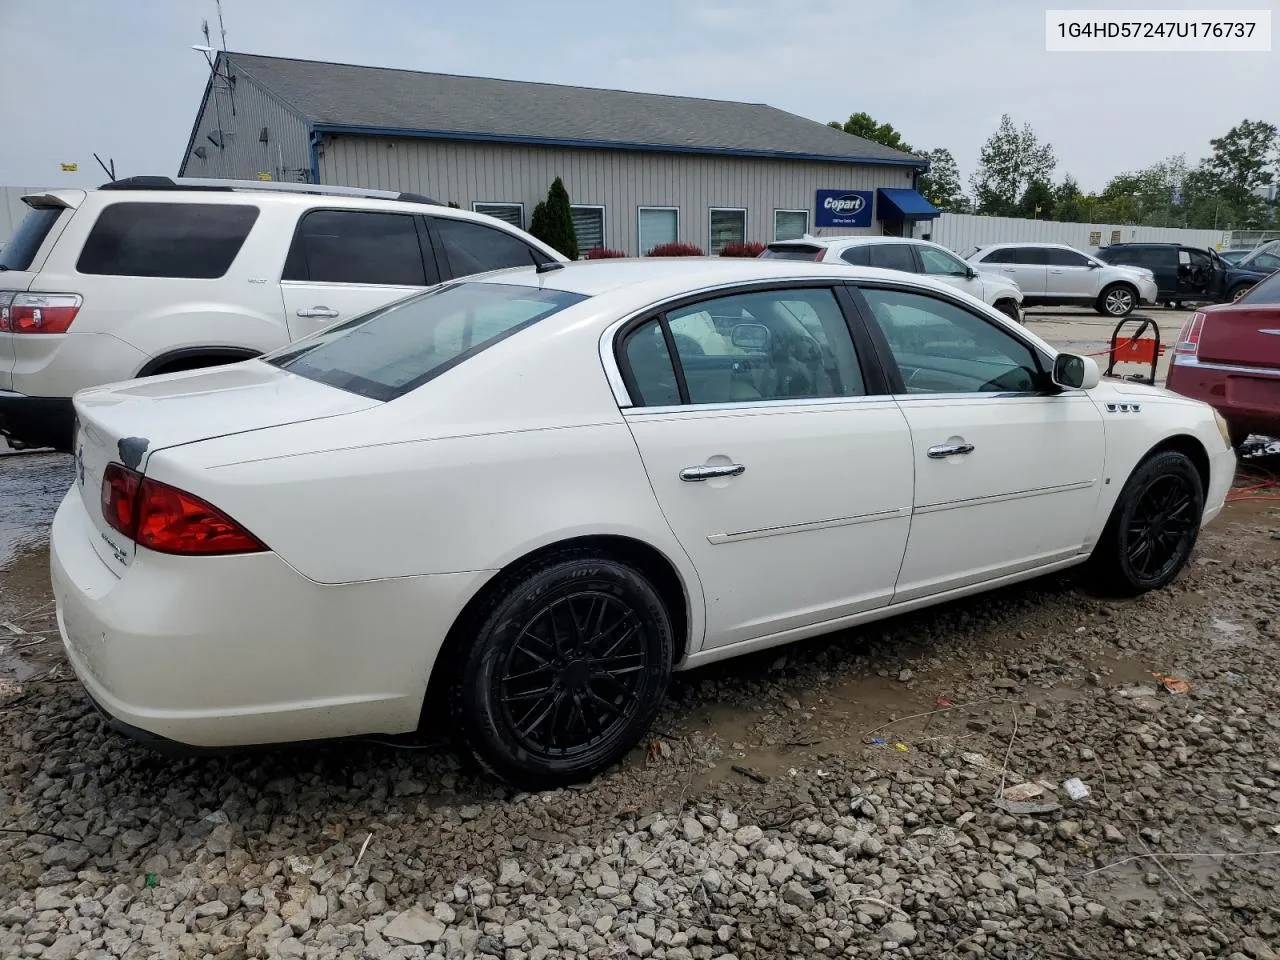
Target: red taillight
[(38, 312), (168, 520), (1189, 336)]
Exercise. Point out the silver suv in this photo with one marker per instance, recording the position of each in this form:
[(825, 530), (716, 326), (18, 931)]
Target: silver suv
[(1054, 274), (152, 275)]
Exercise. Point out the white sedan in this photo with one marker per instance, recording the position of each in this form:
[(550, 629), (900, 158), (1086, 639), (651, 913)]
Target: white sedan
[(519, 501)]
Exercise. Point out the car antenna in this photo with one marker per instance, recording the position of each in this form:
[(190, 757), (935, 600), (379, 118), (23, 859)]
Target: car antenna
[(546, 266)]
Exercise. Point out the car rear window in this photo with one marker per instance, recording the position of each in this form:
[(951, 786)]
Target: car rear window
[(21, 249), (196, 241), (791, 251), (1263, 293), (385, 354)]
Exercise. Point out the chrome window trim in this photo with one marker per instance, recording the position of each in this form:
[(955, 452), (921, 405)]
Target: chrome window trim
[(748, 406), (1183, 360)]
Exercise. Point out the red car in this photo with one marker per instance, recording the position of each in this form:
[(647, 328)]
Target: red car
[(1228, 355)]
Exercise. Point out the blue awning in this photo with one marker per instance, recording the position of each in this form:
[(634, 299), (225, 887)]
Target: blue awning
[(903, 204)]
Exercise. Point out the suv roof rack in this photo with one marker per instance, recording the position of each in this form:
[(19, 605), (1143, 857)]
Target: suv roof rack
[(270, 186)]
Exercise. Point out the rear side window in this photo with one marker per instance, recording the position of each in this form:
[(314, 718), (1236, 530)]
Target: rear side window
[(196, 241), (355, 246), (474, 248), (21, 249), (387, 353), (858, 256), (1003, 255), (1029, 256)]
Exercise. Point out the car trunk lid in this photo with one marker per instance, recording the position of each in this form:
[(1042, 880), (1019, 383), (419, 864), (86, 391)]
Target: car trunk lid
[(1245, 335), (125, 424)]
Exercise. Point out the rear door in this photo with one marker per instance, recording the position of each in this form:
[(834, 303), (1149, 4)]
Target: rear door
[(1025, 266), (345, 262), (776, 457)]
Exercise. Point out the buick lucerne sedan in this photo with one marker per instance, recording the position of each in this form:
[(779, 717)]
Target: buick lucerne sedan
[(517, 502)]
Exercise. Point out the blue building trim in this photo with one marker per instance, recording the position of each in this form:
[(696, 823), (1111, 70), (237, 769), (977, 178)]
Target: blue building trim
[(314, 138), (323, 128)]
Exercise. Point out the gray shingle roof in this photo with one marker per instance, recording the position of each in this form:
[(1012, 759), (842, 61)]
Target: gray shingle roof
[(344, 95)]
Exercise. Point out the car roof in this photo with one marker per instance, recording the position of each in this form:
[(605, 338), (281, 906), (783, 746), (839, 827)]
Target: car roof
[(661, 276), (848, 240), (1026, 243)]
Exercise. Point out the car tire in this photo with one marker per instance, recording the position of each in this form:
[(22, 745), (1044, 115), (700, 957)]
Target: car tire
[(1152, 528), (1238, 291), (567, 668), (1117, 300), (1010, 309)]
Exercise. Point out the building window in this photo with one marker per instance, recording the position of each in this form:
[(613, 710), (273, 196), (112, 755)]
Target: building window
[(588, 226), (658, 225), (790, 224), (727, 225), (512, 213)]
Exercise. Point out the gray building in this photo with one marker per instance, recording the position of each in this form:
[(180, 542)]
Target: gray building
[(640, 168)]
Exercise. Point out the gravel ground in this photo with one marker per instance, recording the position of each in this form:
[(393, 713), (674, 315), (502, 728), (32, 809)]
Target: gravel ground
[(868, 824)]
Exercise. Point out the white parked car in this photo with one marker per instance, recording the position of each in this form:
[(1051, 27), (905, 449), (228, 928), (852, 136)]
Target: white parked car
[(1054, 274), (908, 255), (151, 275), (525, 498)]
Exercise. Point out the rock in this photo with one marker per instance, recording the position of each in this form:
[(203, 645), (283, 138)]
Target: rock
[(746, 836), (989, 881), (692, 830), (445, 913), (214, 908), (796, 895), (1250, 945), (897, 931), (638, 945), (871, 847), (1026, 851), (510, 874), (1112, 834), (470, 811), (414, 926), (51, 900), (905, 675), (1067, 829), (64, 948)]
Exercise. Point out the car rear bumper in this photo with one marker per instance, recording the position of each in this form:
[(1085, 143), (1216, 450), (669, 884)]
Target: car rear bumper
[(36, 421), (235, 651), (1248, 397)]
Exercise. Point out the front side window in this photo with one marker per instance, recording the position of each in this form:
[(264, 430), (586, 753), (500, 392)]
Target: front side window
[(766, 345), (195, 241), (658, 225), (892, 256), (790, 224), (474, 248), (726, 227), (390, 351), (940, 347), (939, 263), (512, 213), (588, 227), (1066, 258), (356, 246)]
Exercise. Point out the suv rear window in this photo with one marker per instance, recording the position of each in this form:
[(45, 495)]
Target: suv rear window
[(195, 241), (385, 354), (22, 246), (792, 251)]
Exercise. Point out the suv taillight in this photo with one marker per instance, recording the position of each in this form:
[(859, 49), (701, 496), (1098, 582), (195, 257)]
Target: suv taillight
[(1188, 342), (168, 520), (38, 312)]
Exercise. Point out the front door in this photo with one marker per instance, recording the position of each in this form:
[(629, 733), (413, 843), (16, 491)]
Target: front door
[(950, 269), (781, 465), (346, 262), (1195, 274), (1071, 275), (1007, 474)]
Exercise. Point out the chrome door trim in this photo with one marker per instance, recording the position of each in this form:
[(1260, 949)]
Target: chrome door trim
[(941, 505), (750, 406), (1182, 360), (718, 538)]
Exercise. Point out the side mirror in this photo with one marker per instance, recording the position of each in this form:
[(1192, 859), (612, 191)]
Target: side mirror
[(970, 273), (1094, 265), (1073, 372), (750, 336)]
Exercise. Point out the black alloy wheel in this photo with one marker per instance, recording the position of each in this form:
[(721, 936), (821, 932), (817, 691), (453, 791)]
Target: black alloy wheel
[(1153, 526), (569, 668)]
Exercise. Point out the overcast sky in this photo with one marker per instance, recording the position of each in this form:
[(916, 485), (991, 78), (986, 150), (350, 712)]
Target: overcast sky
[(120, 78)]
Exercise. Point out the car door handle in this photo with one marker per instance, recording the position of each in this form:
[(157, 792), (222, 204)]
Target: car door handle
[(327, 313), (944, 450), (694, 474)]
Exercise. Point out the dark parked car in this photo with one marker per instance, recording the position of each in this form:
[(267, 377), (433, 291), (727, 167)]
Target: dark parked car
[(1228, 355), (1185, 274)]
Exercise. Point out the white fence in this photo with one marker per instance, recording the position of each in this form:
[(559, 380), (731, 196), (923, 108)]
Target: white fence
[(961, 231)]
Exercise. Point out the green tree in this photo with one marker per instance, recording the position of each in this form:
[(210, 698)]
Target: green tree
[(862, 125), (1037, 201), (552, 221), (1068, 202), (1227, 182), (1008, 163), (941, 184)]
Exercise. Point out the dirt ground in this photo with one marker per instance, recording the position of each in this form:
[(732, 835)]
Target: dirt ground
[(851, 795)]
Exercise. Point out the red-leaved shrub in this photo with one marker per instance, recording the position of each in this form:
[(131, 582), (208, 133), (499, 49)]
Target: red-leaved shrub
[(677, 249), (752, 249), (603, 253)]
